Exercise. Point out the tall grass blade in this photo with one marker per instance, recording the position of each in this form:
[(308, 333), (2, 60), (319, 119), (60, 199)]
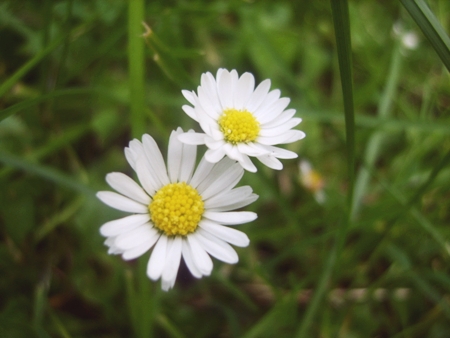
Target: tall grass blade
[(431, 28), (341, 22), (136, 66)]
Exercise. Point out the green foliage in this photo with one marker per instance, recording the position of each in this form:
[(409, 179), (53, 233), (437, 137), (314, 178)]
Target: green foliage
[(79, 79)]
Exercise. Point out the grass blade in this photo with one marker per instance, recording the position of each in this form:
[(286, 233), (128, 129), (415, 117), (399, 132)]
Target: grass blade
[(271, 321), (319, 293), (136, 66), (430, 27), (341, 22), (163, 56), (374, 144), (29, 65), (42, 98), (47, 173)]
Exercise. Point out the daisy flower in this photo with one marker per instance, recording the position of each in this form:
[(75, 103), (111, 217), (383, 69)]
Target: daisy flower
[(240, 121), (312, 180), (180, 212)]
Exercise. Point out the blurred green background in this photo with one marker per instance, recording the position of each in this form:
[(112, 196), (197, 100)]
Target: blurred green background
[(78, 81)]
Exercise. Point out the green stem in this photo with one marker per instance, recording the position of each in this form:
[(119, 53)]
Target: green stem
[(136, 66)]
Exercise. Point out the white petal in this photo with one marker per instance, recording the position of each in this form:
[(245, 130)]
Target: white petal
[(247, 164), (231, 200), (113, 250), (232, 151), (192, 138), (133, 151), (190, 112), (139, 250), (281, 129), (157, 260), (165, 285), (230, 218), (187, 161), (271, 161), (208, 83), (214, 144), (128, 187), (203, 170), (129, 155), (155, 159), (207, 124), (258, 96), (244, 89), (212, 109), (215, 155), (217, 247), (288, 137), (217, 170), (122, 225), (190, 96), (189, 260), (174, 156), (119, 202), (109, 242), (226, 234), (215, 133), (251, 149), (135, 237), (272, 111), (281, 153), (225, 182), (230, 196), (201, 259), (270, 99), (172, 261), (224, 88), (282, 118), (146, 176)]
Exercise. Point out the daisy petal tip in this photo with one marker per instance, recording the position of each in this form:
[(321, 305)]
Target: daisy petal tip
[(100, 195), (166, 285), (252, 216)]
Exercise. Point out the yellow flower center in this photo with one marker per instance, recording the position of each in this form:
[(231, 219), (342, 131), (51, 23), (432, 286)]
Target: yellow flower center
[(313, 181), (176, 209), (238, 126)]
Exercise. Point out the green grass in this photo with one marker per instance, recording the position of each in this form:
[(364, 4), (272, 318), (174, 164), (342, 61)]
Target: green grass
[(79, 79)]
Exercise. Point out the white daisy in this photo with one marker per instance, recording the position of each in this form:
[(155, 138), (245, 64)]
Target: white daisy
[(179, 211), (240, 121)]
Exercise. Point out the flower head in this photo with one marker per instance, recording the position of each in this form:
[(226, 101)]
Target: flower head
[(180, 212), (240, 121)]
